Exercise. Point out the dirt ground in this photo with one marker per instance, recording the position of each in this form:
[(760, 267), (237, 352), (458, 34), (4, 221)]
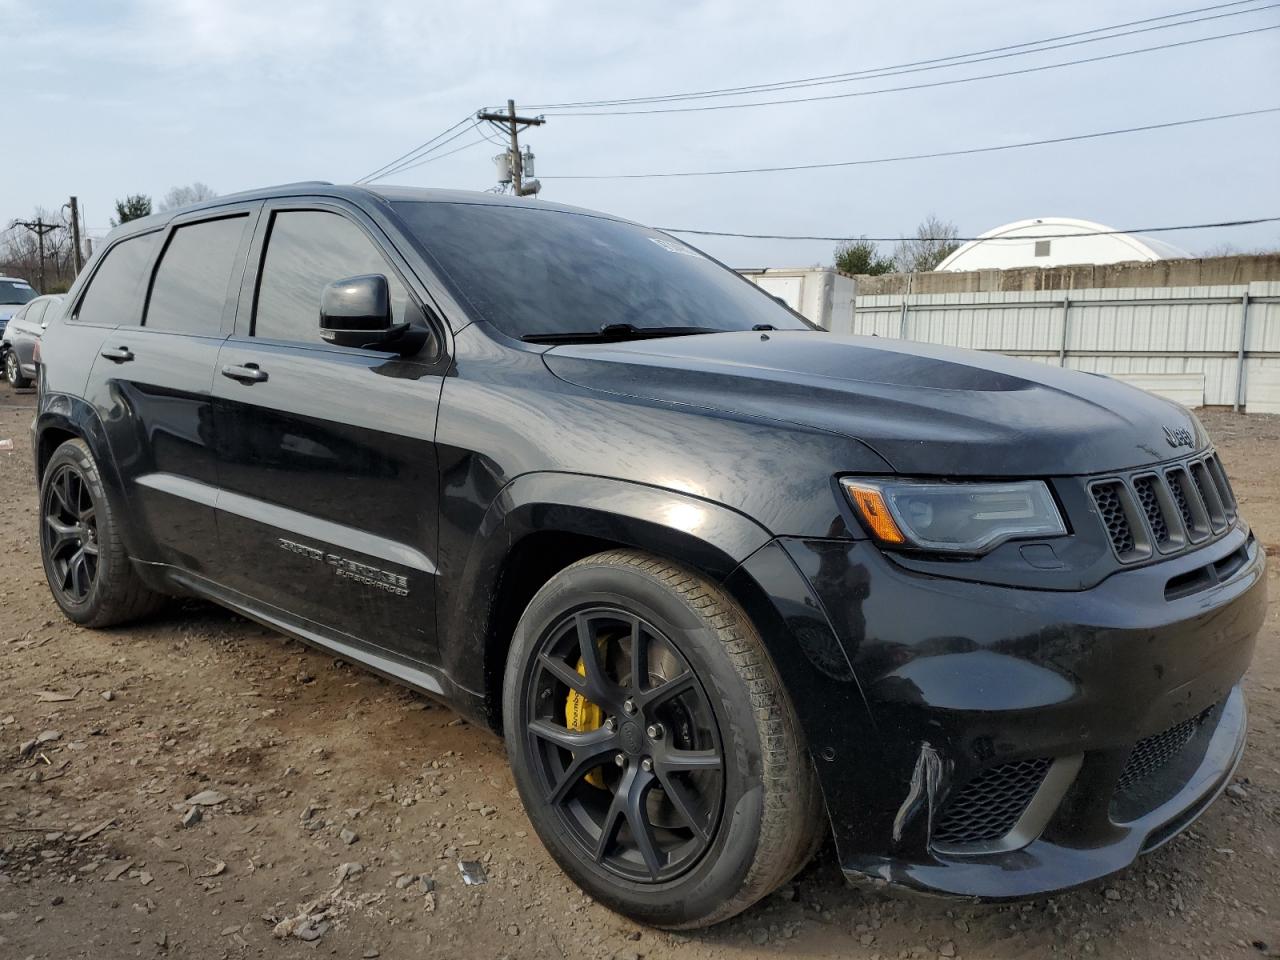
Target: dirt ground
[(316, 766)]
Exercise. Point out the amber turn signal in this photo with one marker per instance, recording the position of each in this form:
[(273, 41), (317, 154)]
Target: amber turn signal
[(875, 512)]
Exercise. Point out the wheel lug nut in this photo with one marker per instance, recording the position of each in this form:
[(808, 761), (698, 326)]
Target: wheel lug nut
[(629, 707), (620, 760), (610, 724), (646, 764), (654, 731)]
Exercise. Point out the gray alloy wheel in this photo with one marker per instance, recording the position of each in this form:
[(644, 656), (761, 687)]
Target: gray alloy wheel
[(13, 371)]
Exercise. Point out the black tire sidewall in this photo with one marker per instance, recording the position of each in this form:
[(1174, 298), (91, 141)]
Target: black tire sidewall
[(721, 871), (76, 453)]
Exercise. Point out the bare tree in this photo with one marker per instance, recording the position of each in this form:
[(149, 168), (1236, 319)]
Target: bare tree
[(182, 196), (20, 252), (935, 240), (1231, 250)]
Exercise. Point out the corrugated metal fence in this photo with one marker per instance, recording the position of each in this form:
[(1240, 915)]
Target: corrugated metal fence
[(1216, 345)]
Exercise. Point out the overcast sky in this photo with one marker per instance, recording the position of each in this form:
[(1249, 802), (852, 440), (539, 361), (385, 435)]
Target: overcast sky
[(101, 100)]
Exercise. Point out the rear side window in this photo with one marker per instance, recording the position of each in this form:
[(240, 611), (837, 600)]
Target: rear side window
[(114, 293), (306, 251), (195, 272), (35, 312)]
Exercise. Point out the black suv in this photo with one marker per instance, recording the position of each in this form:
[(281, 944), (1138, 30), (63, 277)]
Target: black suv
[(727, 583)]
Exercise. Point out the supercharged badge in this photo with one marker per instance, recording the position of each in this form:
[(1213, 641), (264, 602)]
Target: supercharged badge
[(349, 569)]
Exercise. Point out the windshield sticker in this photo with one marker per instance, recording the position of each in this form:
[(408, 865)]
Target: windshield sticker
[(671, 246)]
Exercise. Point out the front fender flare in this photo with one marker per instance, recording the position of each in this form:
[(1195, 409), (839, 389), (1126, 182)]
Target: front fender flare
[(708, 536)]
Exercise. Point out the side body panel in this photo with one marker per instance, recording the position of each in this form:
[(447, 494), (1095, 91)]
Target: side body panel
[(327, 509), (152, 390), (158, 416)]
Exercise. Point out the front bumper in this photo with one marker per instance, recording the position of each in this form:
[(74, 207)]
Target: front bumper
[(912, 687)]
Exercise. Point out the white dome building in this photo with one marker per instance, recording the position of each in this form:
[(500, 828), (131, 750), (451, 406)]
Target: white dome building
[(1052, 242)]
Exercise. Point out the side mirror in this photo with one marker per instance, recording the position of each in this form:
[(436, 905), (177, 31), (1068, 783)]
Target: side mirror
[(356, 312)]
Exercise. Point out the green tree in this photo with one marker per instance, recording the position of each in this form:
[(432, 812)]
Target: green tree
[(862, 256), (131, 208), (935, 240)]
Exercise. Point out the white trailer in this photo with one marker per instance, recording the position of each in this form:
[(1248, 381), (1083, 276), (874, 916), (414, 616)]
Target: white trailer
[(816, 293)]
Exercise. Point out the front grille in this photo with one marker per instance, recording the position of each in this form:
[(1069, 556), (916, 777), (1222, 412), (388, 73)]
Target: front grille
[(1184, 503), (1145, 488), (1108, 497), (1152, 753), (990, 805), (1222, 484), (1177, 480)]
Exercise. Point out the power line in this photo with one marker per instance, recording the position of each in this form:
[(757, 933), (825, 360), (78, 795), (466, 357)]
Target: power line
[(917, 86), (423, 157), (419, 154), (912, 156), (1042, 236), (438, 156), (490, 136), (937, 63), (421, 146)]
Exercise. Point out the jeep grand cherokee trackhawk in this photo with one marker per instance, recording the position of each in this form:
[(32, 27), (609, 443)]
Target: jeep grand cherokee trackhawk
[(726, 583)]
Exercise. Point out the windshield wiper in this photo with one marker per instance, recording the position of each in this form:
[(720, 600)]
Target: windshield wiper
[(615, 333)]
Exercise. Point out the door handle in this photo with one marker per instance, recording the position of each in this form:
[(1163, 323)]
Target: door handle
[(248, 373), (118, 354)]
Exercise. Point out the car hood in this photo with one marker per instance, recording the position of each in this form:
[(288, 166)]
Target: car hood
[(926, 410)]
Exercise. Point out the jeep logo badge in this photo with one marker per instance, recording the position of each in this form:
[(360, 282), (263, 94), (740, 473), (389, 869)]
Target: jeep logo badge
[(1179, 437)]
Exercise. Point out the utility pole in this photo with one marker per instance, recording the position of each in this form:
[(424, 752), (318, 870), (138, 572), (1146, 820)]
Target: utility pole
[(76, 257), (514, 124), (39, 228)]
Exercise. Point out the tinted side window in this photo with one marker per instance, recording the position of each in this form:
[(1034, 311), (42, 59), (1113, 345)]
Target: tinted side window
[(113, 295), (190, 288), (307, 250)]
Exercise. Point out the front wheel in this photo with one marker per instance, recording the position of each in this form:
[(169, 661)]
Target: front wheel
[(13, 370), (657, 754)]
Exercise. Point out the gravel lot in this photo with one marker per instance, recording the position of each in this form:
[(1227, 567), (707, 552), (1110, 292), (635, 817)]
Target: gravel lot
[(331, 791)]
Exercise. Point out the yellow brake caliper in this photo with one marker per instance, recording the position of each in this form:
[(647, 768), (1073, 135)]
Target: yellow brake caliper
[(582, 716)]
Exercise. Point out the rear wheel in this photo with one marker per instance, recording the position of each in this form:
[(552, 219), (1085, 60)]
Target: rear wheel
[(13, 371), (655, 749), (85, 563)]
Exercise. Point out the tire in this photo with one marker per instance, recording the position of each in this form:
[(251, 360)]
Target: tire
[(13, 371), (89, 573), (728, 747)]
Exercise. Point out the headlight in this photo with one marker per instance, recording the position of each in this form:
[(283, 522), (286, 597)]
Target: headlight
[(957, 517)]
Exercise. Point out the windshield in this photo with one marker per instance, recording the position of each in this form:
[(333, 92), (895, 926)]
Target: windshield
[(535, 272), (15, 291)]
